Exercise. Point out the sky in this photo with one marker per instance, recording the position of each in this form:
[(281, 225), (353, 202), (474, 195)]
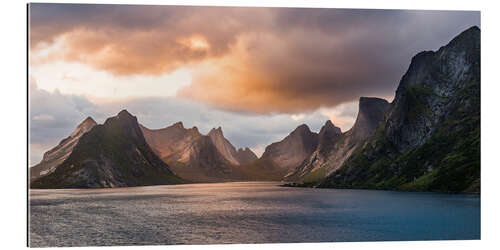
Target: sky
[(256, 72)]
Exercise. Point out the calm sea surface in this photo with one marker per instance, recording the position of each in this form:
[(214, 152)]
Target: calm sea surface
[(245, 212)]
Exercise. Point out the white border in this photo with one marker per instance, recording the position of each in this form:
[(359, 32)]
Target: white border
[(13, 124)]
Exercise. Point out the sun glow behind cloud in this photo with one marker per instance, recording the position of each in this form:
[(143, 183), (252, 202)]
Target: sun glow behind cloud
[(196, 43)]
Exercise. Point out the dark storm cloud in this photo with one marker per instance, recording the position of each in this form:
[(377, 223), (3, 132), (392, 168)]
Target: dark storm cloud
[(326, 57)]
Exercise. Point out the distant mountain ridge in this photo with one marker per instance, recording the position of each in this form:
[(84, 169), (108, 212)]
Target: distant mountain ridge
[(114, 154), (198, 157)]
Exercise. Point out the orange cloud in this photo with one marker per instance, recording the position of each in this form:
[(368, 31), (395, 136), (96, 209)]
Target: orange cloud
[(127, 40), (125, 53), (259, 60), (259, 75)]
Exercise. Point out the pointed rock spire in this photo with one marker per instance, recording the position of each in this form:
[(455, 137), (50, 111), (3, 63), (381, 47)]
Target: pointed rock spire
[(178, 125), (330, 129)]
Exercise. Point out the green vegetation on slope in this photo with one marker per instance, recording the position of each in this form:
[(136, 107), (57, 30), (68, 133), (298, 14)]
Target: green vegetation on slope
[(448, 161)]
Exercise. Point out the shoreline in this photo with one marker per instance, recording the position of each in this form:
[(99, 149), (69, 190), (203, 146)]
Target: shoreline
[(308, 185)]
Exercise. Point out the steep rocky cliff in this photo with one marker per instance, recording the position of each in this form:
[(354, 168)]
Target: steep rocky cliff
[(430, 138), (335, 147), (225, 148), (56, 156), (114, 154)]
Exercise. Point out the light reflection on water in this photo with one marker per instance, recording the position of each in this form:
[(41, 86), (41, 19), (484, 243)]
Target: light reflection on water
[(245, 212)]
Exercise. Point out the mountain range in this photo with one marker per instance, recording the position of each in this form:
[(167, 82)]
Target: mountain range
[(336, 147), (197, 157), (426, 139), (114, 154)]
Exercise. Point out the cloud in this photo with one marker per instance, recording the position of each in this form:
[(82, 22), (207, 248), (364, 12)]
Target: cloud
[(81, 79), (342, 116), (322, 58), (127, 39), (43, 117), (257, 60), (52, 117)]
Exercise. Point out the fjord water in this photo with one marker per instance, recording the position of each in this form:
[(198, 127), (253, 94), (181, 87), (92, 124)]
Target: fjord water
[(245, 212)]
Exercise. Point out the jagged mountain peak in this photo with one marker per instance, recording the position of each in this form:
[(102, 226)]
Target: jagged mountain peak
[(124, 123), (124, 120), (55, 156), (216, 132), (109, 155), (302, 129), (89, 120), (195, 130), (293, 149), (329, 128), (223, 145), (84, 126), (178, 125), (124, 113), (466, 38)]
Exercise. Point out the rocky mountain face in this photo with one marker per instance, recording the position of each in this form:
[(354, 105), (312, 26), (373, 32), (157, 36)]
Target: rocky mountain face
[(114, 154), (245, 156), (281, 158), (235, 157), (335, 147), (293, 149), (171, 142), (223, 145), (430, 137), (197, 157), (56, 156)]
